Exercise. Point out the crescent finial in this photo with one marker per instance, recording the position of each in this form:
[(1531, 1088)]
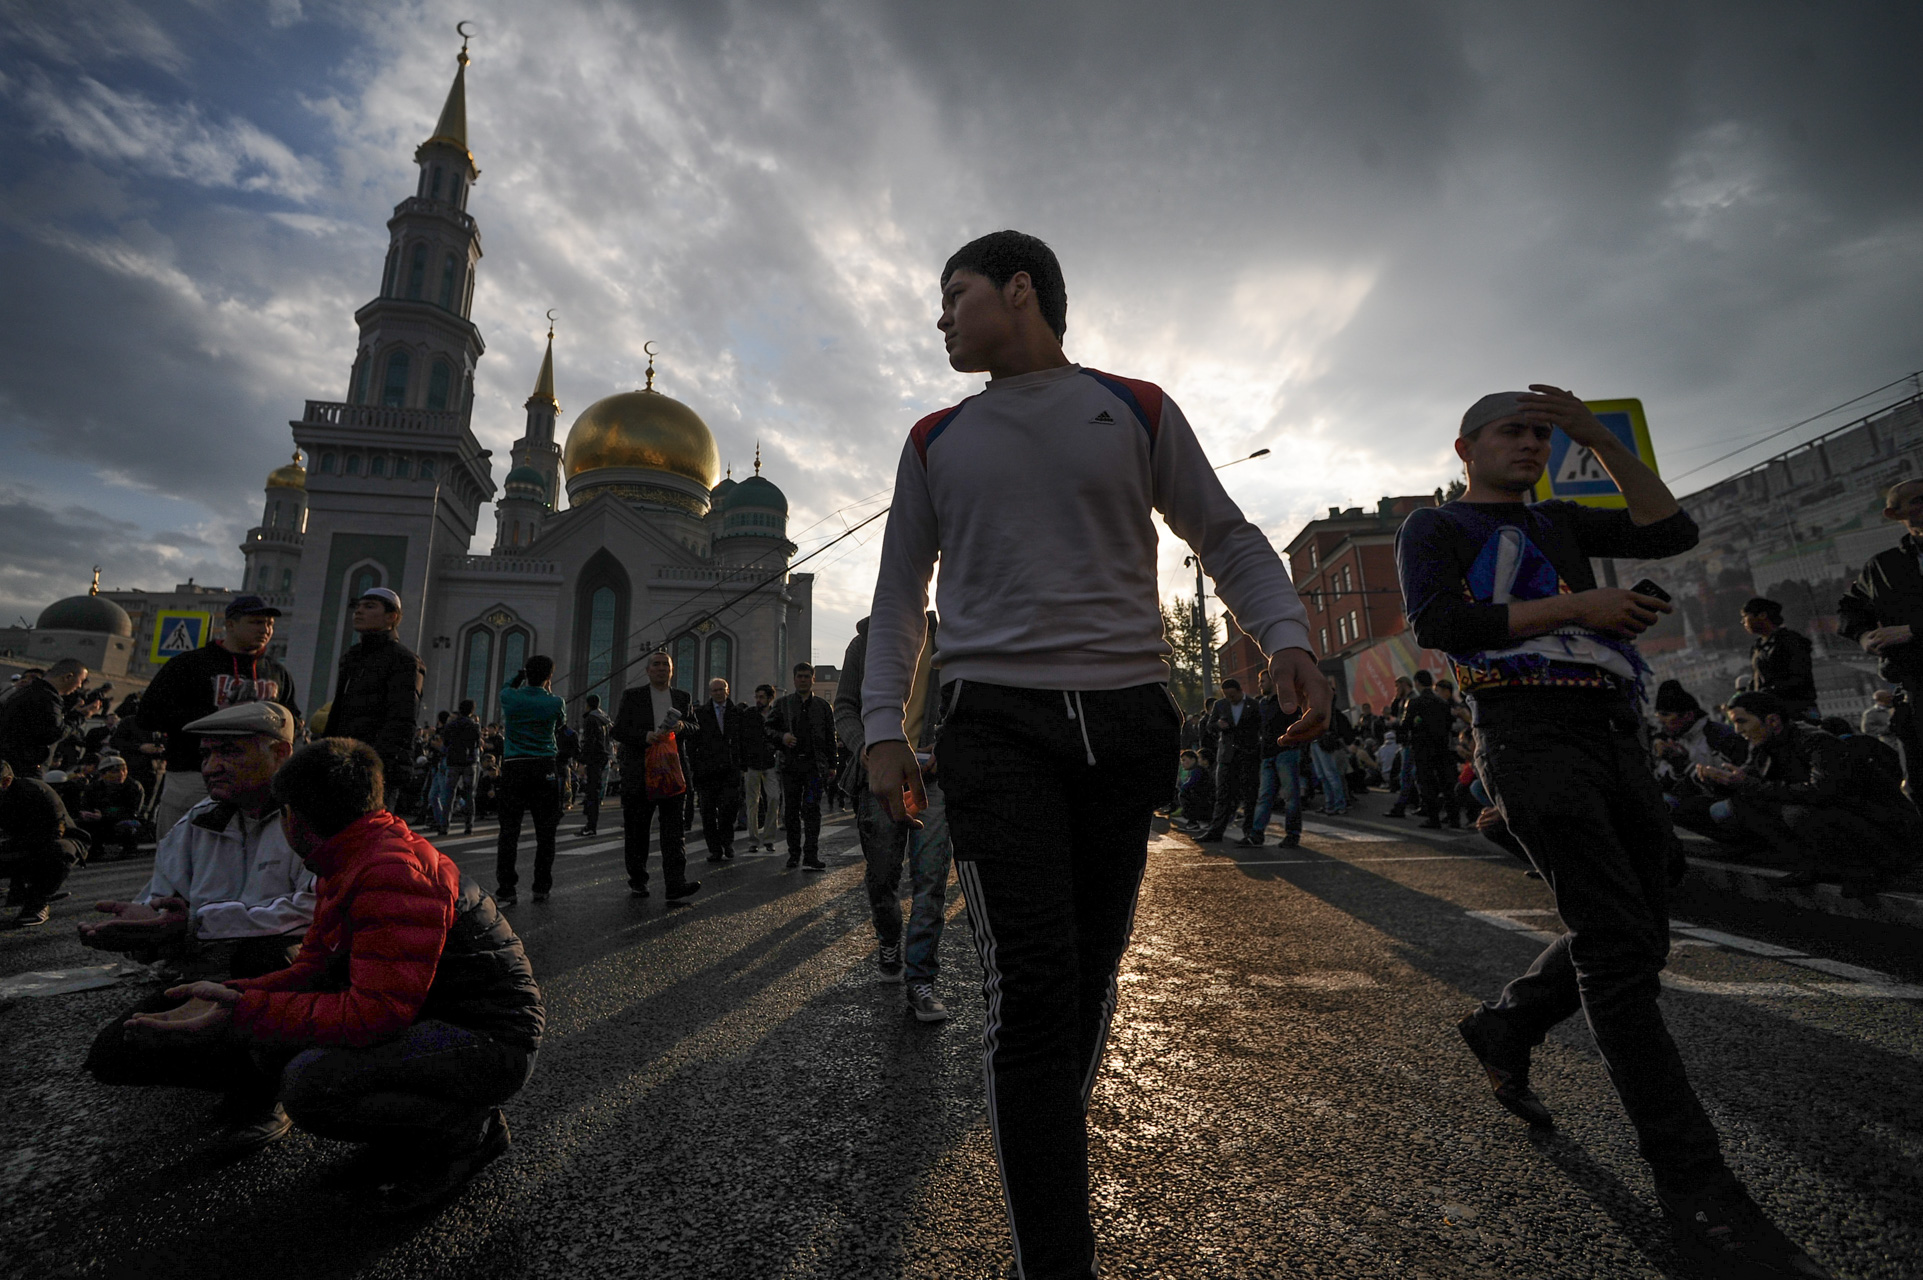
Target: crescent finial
[(648, 347), (460, 29)]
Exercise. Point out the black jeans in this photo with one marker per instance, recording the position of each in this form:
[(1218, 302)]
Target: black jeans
[(636, 812), (1236, 783), (1579, 797), (428, 1090), (591, 797), (1050, 849), (39, 874), (720, 802), (801, 806), (528, 785), (1435, 780)]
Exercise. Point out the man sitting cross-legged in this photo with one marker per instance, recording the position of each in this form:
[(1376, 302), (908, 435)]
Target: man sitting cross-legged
[(409, 1016)]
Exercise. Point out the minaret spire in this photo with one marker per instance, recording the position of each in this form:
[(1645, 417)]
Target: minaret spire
[(757, 457), (451, 129), (544, 382)]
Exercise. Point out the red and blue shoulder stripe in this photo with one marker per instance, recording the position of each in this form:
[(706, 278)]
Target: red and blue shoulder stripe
[(933, 425), (1144, 399)]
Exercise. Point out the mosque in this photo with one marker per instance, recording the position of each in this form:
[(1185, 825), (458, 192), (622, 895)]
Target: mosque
[(647, 551)]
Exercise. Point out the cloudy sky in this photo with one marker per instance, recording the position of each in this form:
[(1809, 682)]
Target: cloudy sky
[(1323, 227)]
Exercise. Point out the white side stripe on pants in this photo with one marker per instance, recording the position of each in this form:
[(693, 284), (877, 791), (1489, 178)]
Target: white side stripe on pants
[(991, 1027), (1111, 996)]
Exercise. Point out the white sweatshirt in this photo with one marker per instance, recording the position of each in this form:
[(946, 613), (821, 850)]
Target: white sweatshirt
[(1037, 496), (239, 876)]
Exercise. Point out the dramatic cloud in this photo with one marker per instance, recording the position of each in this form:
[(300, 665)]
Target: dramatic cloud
[(1324, 228)]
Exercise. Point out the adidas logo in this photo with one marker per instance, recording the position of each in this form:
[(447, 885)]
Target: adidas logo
[(1104, 418)]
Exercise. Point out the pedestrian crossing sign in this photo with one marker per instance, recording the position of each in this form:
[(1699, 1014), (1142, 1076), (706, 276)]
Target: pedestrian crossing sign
[(1573, 472), (178, 631)]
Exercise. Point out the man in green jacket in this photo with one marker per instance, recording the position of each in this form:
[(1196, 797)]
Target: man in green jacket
[(530, 782)]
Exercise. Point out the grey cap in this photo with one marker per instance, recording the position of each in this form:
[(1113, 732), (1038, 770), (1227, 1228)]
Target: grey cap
[(1492, 407), (244, 720)]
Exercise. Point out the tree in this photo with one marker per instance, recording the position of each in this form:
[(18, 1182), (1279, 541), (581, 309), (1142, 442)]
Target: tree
[(1182, 627)]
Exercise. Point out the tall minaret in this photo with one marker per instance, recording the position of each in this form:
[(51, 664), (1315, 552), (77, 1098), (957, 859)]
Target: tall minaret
[(417, 348), (527, 496)]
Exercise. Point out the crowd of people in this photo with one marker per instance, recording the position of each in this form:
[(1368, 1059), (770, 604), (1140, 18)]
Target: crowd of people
[(333, 970)]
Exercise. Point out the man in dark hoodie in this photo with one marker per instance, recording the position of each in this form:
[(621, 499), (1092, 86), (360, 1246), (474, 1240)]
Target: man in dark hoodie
[(232, 669), (377, 696)]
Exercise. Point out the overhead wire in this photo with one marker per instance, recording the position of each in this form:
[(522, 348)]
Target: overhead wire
[(1908, 377)]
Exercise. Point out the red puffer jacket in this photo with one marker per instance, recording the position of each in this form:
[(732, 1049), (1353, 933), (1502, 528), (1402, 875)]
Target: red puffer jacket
[(386, 902)]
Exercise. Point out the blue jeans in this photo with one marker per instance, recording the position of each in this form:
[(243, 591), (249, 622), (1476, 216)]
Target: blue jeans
[(1280, 771), (1329, 768), (929, 854)]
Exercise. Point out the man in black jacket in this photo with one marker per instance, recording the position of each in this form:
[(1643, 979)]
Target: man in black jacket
[(648, 715), (377, 695), (595, 724), (1238, 762), (1427, 725), (33, 716), (760, 787), (1780, 661), (35, 847), (805, 727), (714, 754), (231, 669), (1883, 612), (461, 753)]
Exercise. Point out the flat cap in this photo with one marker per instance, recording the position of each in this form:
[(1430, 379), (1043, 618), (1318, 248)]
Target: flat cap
[(244, 720), (1498, 404)]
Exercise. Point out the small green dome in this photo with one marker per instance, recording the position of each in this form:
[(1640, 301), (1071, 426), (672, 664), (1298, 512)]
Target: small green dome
[(758, 493), (526, 476), (86, 613)]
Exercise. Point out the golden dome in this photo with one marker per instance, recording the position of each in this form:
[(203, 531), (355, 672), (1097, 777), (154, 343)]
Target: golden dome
[(291, 476), (642, 429)]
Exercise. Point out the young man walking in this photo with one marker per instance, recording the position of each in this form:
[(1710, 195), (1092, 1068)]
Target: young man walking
[(595, 724), (461, 741), (804, 725), (1549, 662), (760, 788), (1037, 496), (1281, 776), (530, 779)]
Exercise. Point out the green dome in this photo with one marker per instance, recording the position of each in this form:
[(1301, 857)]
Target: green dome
[(525, 475), (719, 497), (86, 613), (759, 493)]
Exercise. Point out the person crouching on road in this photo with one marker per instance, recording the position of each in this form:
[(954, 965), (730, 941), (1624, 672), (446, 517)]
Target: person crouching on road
[(411, 1013)]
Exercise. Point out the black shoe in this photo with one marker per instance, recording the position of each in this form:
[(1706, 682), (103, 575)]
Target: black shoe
[(727, 855), (1292, 841), (813, 864), (714, 857), (31, 916), (1432, 824), (686, 889), (426, 1183), (1397, 811), (247, 1134), (540, 896), (587, 831), (1249, 842), (1508, 1071), (505, 898), (1207, 837), (1725, 1234), (634, 892), (794, 860), (1454, 824)]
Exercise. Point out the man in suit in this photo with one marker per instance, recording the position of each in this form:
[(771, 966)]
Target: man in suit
[(805, 727), (1238, 766), (714, 753), (646, 716)]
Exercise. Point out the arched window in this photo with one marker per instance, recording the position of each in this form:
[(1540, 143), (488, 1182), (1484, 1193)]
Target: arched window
[(359, 581), (353, 464), (514, 646), (438, 379), (327, 464), (400, 468), (273, 514), (687, 653), (394, 386), (450, 274), (434, 191), (721, 660), (266, 578), (417, 271), (480, 653), (377, 465), (286, 579), (600, 640), (427, 468)]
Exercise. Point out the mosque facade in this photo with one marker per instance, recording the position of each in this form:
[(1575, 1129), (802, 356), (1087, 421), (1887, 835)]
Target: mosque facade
[(620, 538)]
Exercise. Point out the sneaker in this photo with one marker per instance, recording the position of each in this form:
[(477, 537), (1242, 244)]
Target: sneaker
[(686, 889), (1507, 1069), (811, 864), (1208, 837), (727, 855), (587, 831), (635, 891), (714, 857), (925, 1005), (1292, 841), (1725, 1234), (888, 962), (1249, 842), (1397, 811), (794, 860), (31, 916), (426, 1183), (505, 898), (247, 1134)]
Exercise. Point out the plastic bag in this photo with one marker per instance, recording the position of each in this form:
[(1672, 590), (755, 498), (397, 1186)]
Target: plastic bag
[(60, 982), (664, 770)]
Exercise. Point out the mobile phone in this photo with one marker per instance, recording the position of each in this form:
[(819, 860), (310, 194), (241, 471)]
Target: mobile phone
[(1648, 588)]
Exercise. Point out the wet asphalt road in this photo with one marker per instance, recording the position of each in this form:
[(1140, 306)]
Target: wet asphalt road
[(727, 1092)]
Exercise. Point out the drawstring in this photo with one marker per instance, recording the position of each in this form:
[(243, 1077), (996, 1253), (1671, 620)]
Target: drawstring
[(1072, 708)]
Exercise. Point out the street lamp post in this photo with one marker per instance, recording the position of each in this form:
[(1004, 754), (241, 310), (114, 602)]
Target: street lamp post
[(1201, 597)]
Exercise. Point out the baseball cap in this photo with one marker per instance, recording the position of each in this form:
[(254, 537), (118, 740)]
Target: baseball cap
[(385, 596), (244, 720), (251, 606), (1496, 405)]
